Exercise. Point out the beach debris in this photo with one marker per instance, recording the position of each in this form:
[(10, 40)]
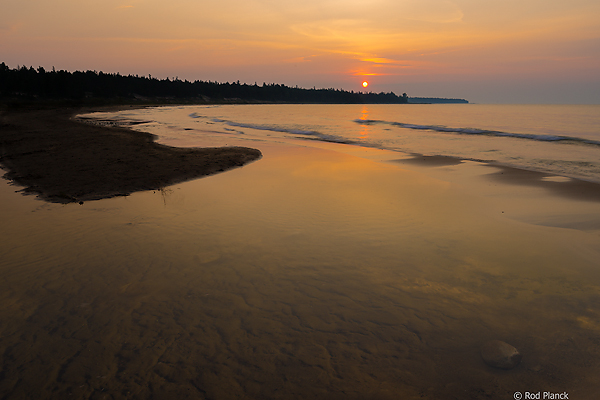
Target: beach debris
[(499, 354)]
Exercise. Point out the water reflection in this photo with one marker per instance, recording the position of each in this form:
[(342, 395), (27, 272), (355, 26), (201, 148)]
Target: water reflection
[(310, 274), (365, 130)]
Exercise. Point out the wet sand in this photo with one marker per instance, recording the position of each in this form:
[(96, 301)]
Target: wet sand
[(571, 188), (310, 274), (66, 161)]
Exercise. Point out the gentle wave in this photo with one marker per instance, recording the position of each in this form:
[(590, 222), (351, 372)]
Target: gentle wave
[(474, 131), (569, 148), (311, 134), (307, 134)]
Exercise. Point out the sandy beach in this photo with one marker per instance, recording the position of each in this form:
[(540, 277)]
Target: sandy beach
[(314, 273), (66, 161)]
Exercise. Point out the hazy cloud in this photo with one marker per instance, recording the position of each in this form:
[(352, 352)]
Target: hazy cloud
[(331, 39)]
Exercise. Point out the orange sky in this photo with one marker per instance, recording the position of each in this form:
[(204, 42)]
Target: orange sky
[(482, 50)]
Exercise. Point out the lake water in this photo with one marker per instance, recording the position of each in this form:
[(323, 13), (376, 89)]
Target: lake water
[(315, 272), (564, 140)]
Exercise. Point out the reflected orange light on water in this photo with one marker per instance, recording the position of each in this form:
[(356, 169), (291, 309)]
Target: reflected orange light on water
[(365, 130)]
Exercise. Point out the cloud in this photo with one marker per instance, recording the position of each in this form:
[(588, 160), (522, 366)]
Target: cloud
[(321, 40), (380, 60), (302, 59)]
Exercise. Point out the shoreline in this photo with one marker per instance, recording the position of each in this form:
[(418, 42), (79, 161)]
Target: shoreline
[(117, 158), (574, 187), (559, 185), (64, 161)]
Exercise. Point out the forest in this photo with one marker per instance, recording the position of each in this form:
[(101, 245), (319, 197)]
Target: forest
[(435, 100), (30, 84)]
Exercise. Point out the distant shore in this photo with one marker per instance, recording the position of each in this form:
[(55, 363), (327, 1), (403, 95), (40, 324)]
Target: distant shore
[(65, 161)]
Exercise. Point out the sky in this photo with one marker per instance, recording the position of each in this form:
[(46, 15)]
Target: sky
[(486, 51)]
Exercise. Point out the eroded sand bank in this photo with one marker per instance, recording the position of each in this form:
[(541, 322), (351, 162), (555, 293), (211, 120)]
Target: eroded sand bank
[(310, 274)]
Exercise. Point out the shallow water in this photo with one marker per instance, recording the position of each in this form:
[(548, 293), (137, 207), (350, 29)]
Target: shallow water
[(563, 140), (307, 274)]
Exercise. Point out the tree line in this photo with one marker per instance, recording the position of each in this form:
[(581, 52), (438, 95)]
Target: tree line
[(436, 100), (40, 84)]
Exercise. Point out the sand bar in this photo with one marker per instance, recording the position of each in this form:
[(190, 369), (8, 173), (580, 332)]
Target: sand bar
[(66, 161)]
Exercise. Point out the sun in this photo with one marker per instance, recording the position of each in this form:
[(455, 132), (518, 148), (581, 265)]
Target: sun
[(365, 84)]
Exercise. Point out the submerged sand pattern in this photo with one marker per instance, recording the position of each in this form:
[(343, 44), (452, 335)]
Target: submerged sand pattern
[(310, 274)]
